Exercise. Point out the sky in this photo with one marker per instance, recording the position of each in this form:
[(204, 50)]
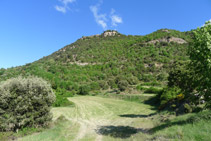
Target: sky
[(32, 29)]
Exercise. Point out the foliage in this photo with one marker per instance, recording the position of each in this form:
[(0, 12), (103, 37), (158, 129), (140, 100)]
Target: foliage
[(182, 75), (200, 55), (122, 85), (25, 102), (62, 102), (153, 90), (168, 94), (84, 90), (140, 87)]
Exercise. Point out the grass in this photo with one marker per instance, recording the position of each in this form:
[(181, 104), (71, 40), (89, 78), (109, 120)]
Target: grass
[(21, 133), (194, 127), (63, 130), (97, 118), (128, 97)]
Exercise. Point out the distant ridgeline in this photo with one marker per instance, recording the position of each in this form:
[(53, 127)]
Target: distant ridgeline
[(109, 61)]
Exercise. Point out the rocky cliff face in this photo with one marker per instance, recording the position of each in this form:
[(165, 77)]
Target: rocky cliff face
[(110, 33)]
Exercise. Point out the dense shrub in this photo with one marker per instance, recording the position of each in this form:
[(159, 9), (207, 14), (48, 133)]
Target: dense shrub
[(122, 85), (168, 94), (94, 86), (84, 90), (25, 102), (111, 83), (62, 102), (103, 85), (182, 75), (140, 87), (153, 90), (132, 80)]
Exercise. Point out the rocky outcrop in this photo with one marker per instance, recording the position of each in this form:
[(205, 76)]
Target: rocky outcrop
[(168, 40), (165, 30), (109, 33), (105, 34)]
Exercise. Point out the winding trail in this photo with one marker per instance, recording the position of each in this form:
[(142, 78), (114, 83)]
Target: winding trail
[(96, 118)]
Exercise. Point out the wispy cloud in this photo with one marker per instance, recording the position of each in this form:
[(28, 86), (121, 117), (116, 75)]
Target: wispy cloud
[(64, 6), (61, 9), (113, 20), (99, 18)]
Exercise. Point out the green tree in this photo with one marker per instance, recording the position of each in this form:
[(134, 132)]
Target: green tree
[(200, 55), (182, 75), (25, 102)]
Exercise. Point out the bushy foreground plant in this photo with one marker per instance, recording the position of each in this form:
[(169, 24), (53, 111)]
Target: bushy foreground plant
[(168, 94), (200, 55), (25, 102)]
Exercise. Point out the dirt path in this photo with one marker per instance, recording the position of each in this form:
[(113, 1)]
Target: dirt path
[(96, 118)]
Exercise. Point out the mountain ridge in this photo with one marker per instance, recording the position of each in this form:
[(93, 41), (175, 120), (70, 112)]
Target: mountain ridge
[(108, 61)]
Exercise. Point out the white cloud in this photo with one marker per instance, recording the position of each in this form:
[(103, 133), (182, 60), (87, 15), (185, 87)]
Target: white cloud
[(66, 2), (99, 18), (103, 24), (116, 20), (102, 19), (64, 6), (60, 9)]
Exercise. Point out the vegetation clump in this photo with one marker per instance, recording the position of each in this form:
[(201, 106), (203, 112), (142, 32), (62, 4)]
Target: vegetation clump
[(193, 77), (200, 54), (25, 102)]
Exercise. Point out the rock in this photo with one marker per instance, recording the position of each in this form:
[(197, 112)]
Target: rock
[(109, 33), (168, 40)]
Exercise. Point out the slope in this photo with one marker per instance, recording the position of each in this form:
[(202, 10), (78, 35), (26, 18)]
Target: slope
[(108, 61)]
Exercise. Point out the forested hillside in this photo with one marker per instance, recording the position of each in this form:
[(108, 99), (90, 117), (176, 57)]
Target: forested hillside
[(109, 61)]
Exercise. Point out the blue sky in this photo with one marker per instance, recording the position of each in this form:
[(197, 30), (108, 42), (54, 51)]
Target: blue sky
[(31, 29)]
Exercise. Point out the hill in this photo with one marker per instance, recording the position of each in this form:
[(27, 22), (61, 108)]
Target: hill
[(109, 61)]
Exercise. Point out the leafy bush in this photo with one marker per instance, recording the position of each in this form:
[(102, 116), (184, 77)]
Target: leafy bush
[(111, 83), (84, 90), (153, 90), (182, 75), (103, 85), (122, 85), (62, 102), (94, 86), (140, 87), (25, 102), (132, 80), (188, 108), (168, 94)]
